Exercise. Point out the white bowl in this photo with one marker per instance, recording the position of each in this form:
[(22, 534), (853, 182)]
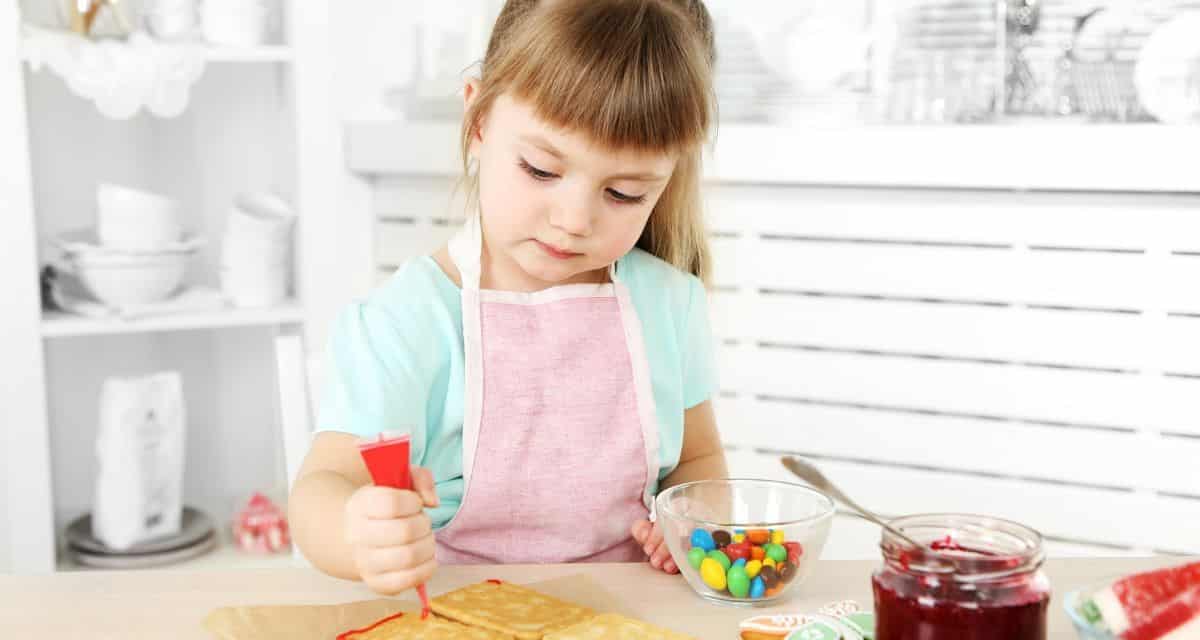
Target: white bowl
[(129, 279), (128, 218)]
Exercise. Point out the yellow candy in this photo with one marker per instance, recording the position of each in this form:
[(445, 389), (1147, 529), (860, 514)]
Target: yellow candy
[(739, 537), (752, 568), (767, 562), (777, 537), (713, 574)]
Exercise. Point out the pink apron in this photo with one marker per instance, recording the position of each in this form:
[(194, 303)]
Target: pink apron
[(560, 438)]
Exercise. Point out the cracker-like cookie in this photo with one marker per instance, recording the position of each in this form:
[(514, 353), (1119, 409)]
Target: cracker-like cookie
[(410, 626), (509, 609), (615, 627)]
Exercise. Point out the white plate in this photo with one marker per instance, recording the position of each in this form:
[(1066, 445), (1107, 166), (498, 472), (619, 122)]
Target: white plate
[(194, 526), (104, 561)]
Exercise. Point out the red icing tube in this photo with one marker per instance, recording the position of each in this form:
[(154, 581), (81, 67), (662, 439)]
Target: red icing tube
[(387, 462)]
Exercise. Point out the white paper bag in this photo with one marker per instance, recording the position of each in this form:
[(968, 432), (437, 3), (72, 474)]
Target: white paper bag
[(140, 451)]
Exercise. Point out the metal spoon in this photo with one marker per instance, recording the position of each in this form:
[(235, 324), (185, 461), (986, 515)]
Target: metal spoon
[(813, 476)]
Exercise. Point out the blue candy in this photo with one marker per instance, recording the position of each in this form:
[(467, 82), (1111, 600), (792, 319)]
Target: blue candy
[(740, 562), (703, 539), (757, 588)]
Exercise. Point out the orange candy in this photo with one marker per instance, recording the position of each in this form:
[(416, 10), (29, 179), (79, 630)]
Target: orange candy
[(773, 590), (757, 553), (758, 536)]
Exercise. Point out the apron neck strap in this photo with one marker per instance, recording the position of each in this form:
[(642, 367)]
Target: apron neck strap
[(465, 249)]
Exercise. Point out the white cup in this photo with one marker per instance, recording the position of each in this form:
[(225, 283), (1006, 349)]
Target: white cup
[(132, 219), (261, 285)]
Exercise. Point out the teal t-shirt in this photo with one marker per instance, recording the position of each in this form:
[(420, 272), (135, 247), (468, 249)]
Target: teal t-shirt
[(395, 362)]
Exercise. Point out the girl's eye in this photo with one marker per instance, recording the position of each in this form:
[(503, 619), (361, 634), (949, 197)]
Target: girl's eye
[(535, 172), (625, 199)]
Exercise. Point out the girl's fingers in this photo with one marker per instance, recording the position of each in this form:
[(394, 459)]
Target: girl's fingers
[(424, 486), (639, 531), (654, 540)]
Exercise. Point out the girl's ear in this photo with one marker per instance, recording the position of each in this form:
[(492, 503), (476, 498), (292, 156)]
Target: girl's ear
[(470, 94)]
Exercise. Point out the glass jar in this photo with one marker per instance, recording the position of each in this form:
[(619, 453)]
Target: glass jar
[(980, 579)]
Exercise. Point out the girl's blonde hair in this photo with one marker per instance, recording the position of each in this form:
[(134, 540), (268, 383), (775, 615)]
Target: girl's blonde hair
[(632, 74)]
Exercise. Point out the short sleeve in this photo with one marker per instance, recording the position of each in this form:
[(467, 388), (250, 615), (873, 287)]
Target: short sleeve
[(699, 362), (374, 378)]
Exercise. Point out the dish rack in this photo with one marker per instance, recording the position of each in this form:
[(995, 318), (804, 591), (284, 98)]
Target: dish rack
[(1104, 89)]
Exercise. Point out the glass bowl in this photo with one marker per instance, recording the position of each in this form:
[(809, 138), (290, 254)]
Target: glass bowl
[(744, 542)]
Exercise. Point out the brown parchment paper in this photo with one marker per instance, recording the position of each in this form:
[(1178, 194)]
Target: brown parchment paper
[(325, 622)]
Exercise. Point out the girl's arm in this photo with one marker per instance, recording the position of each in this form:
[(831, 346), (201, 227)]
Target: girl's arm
[(332, 471), (702, 457)]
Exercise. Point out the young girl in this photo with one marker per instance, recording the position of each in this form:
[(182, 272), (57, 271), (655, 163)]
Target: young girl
[(553, 363)]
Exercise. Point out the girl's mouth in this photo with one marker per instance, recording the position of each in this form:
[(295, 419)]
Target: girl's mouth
[(555, 252)]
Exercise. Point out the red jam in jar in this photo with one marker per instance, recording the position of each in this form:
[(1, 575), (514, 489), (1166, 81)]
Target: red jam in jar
[(979, 579)]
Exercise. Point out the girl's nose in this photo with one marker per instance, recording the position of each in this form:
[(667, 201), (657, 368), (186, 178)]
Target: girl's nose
[(573, 218)]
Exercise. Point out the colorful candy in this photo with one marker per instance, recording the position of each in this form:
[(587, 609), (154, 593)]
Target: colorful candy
[(794, 551), (738, 550), (776, 552), (738, 582), (755, 563), (713, 574), (721, 558)]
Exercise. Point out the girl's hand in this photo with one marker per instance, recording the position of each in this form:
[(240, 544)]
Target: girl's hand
[(650, 537), (390, 534)]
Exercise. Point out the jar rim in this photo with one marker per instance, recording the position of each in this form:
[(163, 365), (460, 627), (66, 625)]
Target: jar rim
[(992, 548)]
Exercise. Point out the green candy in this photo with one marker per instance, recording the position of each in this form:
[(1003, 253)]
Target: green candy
[(696, 556), (739, 582), (719, 556), (776, 552)]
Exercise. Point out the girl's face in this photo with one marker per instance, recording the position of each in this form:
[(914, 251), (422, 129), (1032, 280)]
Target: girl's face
[(555, 208)]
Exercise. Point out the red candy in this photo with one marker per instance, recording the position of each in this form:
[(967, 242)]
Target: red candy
[(794, 551), (738, 551)]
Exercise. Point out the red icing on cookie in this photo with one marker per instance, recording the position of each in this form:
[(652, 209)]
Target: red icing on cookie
[(349, 634), (495, 581)]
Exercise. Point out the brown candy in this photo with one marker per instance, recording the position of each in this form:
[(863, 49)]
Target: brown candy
[(787, 571), (722, 538), (769, 577)]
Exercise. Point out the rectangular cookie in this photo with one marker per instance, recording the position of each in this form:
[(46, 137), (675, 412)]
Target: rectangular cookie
[(509, 609), (410, 626), (616, 627)]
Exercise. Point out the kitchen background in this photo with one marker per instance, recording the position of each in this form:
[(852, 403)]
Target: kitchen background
[(957, 247)]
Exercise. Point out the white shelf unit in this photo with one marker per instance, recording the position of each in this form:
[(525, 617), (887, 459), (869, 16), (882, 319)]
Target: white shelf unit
[(57, 324), (260, 118)]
